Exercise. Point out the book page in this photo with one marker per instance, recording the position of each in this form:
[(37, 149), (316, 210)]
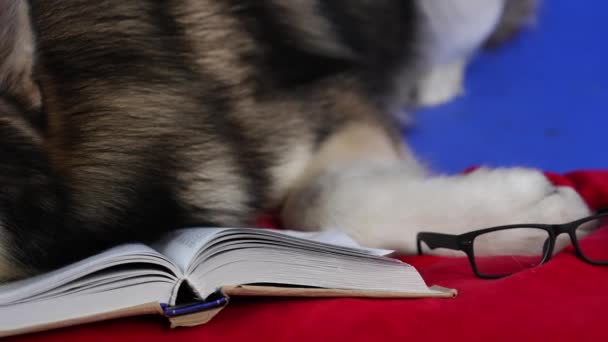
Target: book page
[(336, 238), (182, 246), (263, 263), (214, 258), (33, 287)]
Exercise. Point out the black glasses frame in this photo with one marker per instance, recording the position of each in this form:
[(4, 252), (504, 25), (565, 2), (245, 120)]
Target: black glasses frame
[(464, 242)]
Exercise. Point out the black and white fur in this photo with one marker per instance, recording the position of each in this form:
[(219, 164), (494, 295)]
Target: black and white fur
[(156, 115)]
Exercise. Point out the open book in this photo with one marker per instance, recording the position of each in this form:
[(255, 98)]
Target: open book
[(191, 274)]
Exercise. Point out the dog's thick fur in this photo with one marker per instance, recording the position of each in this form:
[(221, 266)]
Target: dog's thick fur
[(164, 114)]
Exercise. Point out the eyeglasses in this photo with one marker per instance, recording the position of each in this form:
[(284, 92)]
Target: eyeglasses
[(501, 251)]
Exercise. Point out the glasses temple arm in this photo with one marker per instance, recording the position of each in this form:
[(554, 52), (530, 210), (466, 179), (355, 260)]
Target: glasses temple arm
[(438, 240)]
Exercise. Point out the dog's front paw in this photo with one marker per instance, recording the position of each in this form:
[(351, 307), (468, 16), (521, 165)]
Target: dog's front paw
[(528, 196), (385, 207), (564, 204)]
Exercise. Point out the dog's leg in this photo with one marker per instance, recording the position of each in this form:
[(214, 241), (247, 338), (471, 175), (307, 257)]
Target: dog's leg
[(441, 83), (383, 197), (28, 193), (452, 31), (24, 182)]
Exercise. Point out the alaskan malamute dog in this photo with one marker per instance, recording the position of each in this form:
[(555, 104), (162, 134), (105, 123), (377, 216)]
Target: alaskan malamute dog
[(123, 119)]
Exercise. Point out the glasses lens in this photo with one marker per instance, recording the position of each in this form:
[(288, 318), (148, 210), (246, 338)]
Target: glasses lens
[(593, 247), (508, 251)]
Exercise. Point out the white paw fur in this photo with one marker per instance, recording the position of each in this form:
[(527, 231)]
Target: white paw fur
[(380, 206)]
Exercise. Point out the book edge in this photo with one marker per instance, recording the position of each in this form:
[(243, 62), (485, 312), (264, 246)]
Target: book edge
[(276, 291), (204, 317), (153, 308)]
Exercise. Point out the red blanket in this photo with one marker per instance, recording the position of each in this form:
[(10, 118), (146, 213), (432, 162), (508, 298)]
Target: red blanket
[(563, 300)]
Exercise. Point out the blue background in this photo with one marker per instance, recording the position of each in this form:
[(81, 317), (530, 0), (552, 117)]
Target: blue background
[(540, 101)]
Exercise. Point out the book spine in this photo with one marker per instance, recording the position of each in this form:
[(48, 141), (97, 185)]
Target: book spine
[(196, 307)]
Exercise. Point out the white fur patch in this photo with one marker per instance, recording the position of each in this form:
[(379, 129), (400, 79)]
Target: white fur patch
[(456, 28), (453, 31), (289, 170), (441, 84)]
